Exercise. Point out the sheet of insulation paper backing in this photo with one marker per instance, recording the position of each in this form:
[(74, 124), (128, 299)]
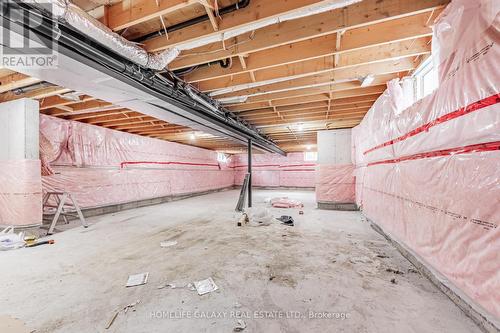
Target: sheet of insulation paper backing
[(101, 167), (274, 170), (20, 193), (429, 174), (335, 183)]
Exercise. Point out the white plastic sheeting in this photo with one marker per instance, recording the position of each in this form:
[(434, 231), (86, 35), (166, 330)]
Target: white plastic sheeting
[(100, 167), (429, 174), (459, 28), (273, 170)]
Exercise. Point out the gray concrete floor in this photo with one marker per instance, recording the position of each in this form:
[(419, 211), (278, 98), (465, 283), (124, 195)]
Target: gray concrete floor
[(330, 264)]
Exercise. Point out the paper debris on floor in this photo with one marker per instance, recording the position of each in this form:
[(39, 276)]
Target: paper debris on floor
[(285, 202), (240, 326), (10, 240), (259, 216), (137, 279), (205, 286), (131, 306), (9, 324), (189, 286), (168, 243)]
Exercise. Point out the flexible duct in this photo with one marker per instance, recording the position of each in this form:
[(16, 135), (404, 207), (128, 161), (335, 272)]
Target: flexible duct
[(86, 24)]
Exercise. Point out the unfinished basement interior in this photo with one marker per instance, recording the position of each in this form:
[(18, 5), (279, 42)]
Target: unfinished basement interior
[(249, 166)]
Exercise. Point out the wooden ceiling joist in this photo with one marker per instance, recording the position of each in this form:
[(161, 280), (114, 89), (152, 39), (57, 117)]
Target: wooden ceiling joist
[(302, 101), (56, 101), (256, 116), (301, 119), (336, 80), (323, 66), (120, 16), (256, 12), (35, 94), (415, 27), (98, 115), (15, 81), (108, 117), (359, 14), (359, 91)]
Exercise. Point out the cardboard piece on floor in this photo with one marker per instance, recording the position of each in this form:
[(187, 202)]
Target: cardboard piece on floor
[(205, 286), (168, 243), (13, 325), (137, 279)]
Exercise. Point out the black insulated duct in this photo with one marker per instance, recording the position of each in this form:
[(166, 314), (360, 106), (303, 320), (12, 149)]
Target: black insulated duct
[(226, 10)]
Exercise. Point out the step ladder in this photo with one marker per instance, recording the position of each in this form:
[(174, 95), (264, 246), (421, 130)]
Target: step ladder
[(66, 206)]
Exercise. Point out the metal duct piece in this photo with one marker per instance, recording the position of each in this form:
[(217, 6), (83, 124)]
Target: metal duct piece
[(232, 100), (86, 24), (196, 96), (32, 87)]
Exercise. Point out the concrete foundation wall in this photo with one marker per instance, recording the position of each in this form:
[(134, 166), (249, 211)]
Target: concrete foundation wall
[(20, 178), (334, 172)]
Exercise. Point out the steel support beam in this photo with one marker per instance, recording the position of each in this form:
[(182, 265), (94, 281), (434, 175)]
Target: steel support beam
[(250, 173)]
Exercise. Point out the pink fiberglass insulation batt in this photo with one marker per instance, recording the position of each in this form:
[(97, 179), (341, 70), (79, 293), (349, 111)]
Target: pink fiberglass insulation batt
[(20, 193), (91, 163), (273, 170), (429, 174), (335, 183), (286, 203)]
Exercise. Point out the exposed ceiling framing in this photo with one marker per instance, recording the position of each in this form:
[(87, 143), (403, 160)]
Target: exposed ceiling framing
[(289, 79)]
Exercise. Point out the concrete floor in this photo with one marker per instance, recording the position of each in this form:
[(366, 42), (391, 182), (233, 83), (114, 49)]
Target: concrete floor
[(328, 264)]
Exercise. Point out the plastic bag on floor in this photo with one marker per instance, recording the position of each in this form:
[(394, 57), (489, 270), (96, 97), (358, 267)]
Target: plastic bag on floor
[(259, 216), (9, 240), (285, 203)]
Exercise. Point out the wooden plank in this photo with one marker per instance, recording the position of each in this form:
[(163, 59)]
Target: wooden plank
[(15, 81), (61, 113), (358, 14), (333, 78), (256, 12), (36, 94), (210, 13), (395, 30), (301, 119), (311, 67), (95, 115), (55, 101), (326, 89), (107, 117), (140, 124), (354, 107), (121, 16), (291, 102)]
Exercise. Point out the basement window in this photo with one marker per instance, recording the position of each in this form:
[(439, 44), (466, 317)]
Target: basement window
[(222, 158), (426, 79), (310, 156)]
